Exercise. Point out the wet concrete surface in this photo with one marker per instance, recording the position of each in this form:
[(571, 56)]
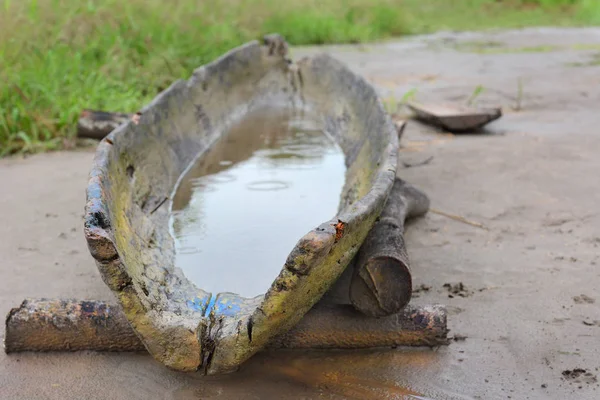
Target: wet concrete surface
[(524, 317), (267, 173)]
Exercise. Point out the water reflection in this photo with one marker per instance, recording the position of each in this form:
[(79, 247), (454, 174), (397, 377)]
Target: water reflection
[(268, 185), (241, 208)]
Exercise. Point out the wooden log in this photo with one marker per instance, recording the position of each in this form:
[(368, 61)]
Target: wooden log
[(382, 282), (68, 325), (74, 325), (342, 327), (97, 124)]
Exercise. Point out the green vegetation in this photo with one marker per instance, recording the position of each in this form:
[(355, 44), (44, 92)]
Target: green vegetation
[(593, 61), (60, 56), (498, 48), (476, 92)]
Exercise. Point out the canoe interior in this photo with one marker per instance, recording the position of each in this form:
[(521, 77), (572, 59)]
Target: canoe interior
[(136, 170), (241, 207)]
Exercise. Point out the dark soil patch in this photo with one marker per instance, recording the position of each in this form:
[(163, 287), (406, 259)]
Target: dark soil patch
[(579, 375), (457, 289), (420, 289), (583, 299), (591, 323)]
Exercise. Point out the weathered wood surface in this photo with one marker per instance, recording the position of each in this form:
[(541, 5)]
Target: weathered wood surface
[(137, 167), (456, 119), (382, 281), (342, 327), (68, 325), (76, 325)]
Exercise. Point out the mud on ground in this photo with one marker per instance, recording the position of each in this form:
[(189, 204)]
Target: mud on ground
[(522, 293)]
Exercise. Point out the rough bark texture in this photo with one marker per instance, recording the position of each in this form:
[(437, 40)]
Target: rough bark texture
[(137, 168), (97, 124), (382, 282), (75, 325), (69, 325), (342, 327)]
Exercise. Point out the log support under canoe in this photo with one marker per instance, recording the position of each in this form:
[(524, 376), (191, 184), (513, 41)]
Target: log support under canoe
[(43, 325), (382, 281)]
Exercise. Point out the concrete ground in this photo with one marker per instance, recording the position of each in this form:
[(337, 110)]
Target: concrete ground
[(527, 315)]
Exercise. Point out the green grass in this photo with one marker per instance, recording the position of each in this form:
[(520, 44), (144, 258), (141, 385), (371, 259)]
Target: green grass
[(485, 47), (60, 56), (593, 61), (435, 15)]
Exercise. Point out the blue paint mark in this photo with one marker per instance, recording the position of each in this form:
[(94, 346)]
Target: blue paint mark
[(211, 304), (223, 305), (197, 304), (94, 191), (228, 305)]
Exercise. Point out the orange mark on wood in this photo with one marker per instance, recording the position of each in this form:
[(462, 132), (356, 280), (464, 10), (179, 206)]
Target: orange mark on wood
[(339, 229), (136, 117)]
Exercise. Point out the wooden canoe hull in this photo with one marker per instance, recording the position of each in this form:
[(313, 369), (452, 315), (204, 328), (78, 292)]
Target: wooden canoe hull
[(455, 119), (137, 167)]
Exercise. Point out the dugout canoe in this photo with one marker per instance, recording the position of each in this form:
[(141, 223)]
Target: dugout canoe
[(138, 165)]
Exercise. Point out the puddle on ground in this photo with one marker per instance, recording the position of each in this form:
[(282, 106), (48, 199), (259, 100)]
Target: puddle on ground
[(242, 207), (356, 375)]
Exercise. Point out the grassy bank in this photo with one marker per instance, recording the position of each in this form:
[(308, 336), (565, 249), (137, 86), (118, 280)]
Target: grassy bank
[(59, 56)]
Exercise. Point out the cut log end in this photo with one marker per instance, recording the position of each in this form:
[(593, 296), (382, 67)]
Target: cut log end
[(382, 282), (382, 287)]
